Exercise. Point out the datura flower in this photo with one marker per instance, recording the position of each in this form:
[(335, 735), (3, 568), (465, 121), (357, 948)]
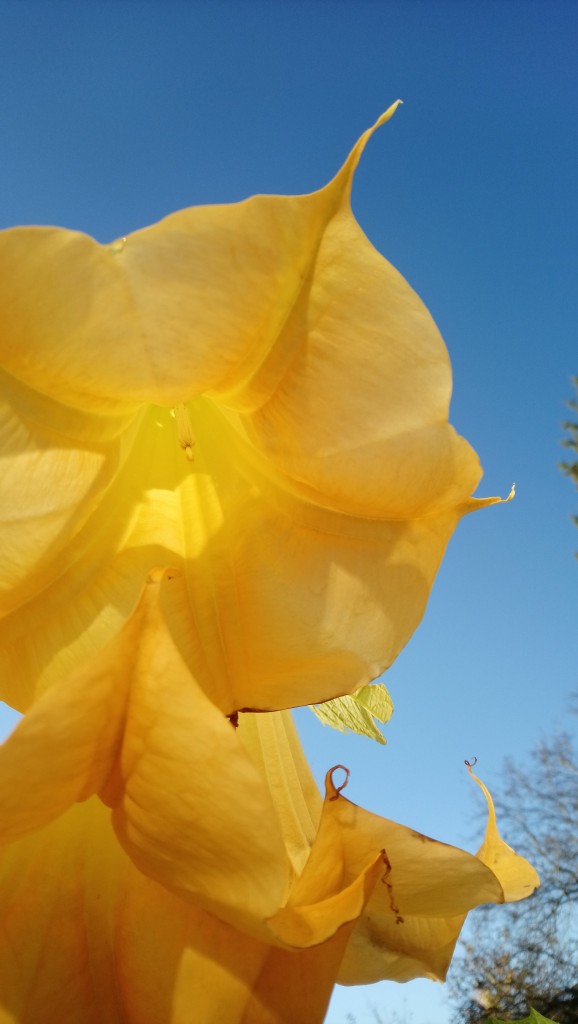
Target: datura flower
[(228, 483)]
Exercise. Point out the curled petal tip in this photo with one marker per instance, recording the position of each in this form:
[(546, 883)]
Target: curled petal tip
[(332, 790), (473, 504)]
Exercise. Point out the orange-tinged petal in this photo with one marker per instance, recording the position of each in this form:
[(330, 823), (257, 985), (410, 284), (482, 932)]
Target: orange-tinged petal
[(229, 821), (178, 309), (253, 397), (410, 919), (59, 894), (187, 789), (135, 726), (410, 930), (57, 466), (86, 938), (374, 900), (295, 604), (305, 485)]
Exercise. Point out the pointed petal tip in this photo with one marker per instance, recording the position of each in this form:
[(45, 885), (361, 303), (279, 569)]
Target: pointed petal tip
[(516, 875), (474, 504), (387, 114), (345, 175)]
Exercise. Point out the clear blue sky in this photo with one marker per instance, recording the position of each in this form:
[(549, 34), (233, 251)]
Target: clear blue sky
[(115, 113)]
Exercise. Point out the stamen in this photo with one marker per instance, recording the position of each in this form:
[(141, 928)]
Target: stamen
[(184, 430)]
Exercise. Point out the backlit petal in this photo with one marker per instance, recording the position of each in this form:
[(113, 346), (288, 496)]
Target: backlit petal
[(86, 938), (193, 303), (186, 790), (305, 486), (228, 481), (135, 726), (84, 930)]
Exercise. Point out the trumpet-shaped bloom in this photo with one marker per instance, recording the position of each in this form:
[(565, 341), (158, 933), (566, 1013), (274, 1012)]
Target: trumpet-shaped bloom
[(226, 889), (252, 399), (249, 393)]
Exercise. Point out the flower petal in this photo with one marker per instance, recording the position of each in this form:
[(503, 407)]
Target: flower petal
[(407, 894), (517, 878), (190, 304), (293, 603), (135, 726), (412, 923), (306, 487), (186, 790), (86, 938), (56, 469)]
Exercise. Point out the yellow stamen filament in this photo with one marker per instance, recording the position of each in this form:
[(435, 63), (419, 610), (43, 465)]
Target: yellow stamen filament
[(184, 430)]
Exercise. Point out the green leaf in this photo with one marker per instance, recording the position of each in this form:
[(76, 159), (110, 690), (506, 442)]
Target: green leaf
[(533, 1018), (356, 712)]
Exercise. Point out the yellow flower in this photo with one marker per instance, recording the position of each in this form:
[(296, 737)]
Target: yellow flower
[(228, 483), (250, 394), (227, 891)]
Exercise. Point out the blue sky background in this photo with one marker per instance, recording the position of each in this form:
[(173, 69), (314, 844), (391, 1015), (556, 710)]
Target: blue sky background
[(115, 113)]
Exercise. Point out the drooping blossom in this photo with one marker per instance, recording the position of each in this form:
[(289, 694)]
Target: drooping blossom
[(228, 483), (250, 394)]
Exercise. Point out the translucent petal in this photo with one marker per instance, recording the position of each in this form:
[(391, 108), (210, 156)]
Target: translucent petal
[(135, 727), (252, 399), (305, 483), (153, 306), (295, 603), (87, 938), (230, 820)]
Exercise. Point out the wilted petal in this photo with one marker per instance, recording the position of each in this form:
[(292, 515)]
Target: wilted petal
[(305, 486)]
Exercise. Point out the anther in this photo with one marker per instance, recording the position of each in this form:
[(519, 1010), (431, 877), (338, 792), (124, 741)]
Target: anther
[(184, 430)]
